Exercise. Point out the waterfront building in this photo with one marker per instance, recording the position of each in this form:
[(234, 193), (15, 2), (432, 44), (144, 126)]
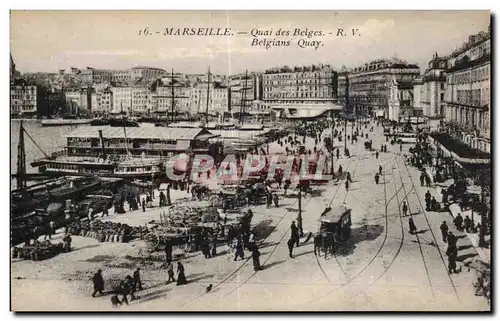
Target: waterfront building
[(104, 102), (467, 95), (141, 98), (122, 99), (243, 89), (365, 89), (24, 100), (218, 98), (310, 89), (162, 98)]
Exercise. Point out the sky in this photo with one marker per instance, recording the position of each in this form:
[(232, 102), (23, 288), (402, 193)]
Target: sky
[(46, 41)]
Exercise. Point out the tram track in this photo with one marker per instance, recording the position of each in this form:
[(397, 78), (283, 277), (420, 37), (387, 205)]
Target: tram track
[(233, 273), (416, 234), (401, 240), (279, 242), (424, 212)]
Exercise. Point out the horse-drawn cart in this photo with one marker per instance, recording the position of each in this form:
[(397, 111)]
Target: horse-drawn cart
[(336, 221)]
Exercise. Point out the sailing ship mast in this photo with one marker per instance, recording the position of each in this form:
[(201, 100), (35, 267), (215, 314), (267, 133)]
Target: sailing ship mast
[(208, 96), (173, 94), (21, 159), (243, 99)]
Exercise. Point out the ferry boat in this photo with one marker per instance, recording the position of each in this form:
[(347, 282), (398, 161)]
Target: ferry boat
[(132, 153)]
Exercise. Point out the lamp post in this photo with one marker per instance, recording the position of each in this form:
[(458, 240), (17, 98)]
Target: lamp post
[(299, 218)]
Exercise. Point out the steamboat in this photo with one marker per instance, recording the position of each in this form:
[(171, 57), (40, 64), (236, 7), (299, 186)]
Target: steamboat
[(132, 153)]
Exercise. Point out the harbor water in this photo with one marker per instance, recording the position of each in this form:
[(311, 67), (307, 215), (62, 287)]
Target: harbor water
[(50, 139)]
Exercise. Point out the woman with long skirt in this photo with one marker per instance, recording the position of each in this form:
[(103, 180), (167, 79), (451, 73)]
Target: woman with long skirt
[(181, 277)]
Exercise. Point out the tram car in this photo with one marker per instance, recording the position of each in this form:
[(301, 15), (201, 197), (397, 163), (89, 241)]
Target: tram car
[(336, 221)]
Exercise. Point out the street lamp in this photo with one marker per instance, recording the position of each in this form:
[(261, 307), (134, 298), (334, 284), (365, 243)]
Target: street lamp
[(299, 218)]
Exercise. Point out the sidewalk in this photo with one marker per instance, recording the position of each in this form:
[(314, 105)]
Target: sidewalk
[(484, 253)]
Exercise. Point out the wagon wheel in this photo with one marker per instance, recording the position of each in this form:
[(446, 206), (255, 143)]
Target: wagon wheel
[(153, 240)]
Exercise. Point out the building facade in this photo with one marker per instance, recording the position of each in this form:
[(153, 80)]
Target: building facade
[(216, 94), (104, 102), (162, 98), (365, 90), (121, 76), (95, 76), (468, 96), (433, 88), (401, 98), (141, 100), (147, 74), (24, 100), (122, 99), (243, 91)]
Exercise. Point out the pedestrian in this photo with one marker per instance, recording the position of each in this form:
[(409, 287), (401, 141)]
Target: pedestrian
[(137, 280), (338, 153), (51, 230), (452, 262), (290, 244), (340, 169), (239, 249), (181, 276), (168, 250), (162, 199), (67, 243), (169, 202), (349, 177), (295, 233), (434, 204), (276, 200), (413, 228), (452, 239), (400, 148), (458, 222), (380, 169), (405, 208), (170, 271), (444, 231), (269, 200), (467, 223), (347, 185), (98, 282), (105, 212), (213, 247), (255, 258), (377, 178), (376, 154), (128, 288), (143, 205), (422, 179), (205, 248)]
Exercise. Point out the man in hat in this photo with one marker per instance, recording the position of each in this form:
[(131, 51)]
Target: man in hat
[(137, 279), (444, 231), (98, 282)]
